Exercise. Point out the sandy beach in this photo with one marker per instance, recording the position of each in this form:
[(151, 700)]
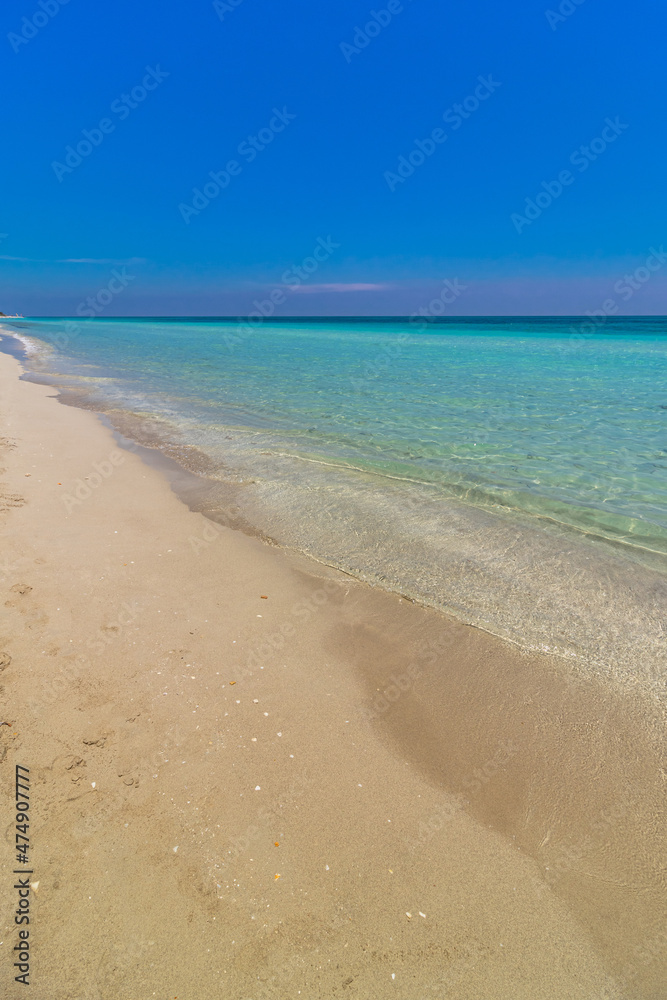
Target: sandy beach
[(255, 777)]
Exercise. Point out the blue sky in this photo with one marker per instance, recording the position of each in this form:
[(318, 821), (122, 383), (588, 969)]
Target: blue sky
[(338, 111)]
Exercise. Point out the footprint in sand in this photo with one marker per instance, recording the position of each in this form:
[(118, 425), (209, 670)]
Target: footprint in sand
[(126, 775), (96, 741), (10, 500), (75, 763), (20, 590)]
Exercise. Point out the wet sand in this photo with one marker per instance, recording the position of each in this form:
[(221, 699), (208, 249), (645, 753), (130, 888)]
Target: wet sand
[(251, 775)]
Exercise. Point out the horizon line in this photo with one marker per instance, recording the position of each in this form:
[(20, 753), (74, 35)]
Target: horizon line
[(368, 318)]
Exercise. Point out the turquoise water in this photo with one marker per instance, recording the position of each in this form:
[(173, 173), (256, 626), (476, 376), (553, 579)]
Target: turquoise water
[(393, 435)]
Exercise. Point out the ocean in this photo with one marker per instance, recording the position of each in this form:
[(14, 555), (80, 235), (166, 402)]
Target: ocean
[(511, 472)]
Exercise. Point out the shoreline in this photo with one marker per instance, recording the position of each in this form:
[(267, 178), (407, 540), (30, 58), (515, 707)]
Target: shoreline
[(139, 426), (445, 749), (527, 579)]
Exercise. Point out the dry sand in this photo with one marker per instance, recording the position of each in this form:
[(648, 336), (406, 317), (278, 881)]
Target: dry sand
[(329, 792)]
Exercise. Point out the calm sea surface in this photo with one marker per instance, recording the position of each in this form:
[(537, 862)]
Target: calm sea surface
[(499, 469)]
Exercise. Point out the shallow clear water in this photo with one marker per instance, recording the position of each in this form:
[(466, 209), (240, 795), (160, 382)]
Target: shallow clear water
[(402, 439)]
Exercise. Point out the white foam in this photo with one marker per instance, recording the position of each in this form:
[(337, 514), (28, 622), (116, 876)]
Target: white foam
[(30, 345)]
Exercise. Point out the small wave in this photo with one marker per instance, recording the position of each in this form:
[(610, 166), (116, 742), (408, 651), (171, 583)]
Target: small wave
[(31, 346)]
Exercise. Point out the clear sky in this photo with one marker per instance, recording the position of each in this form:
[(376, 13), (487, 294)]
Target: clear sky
[(306, 121)]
